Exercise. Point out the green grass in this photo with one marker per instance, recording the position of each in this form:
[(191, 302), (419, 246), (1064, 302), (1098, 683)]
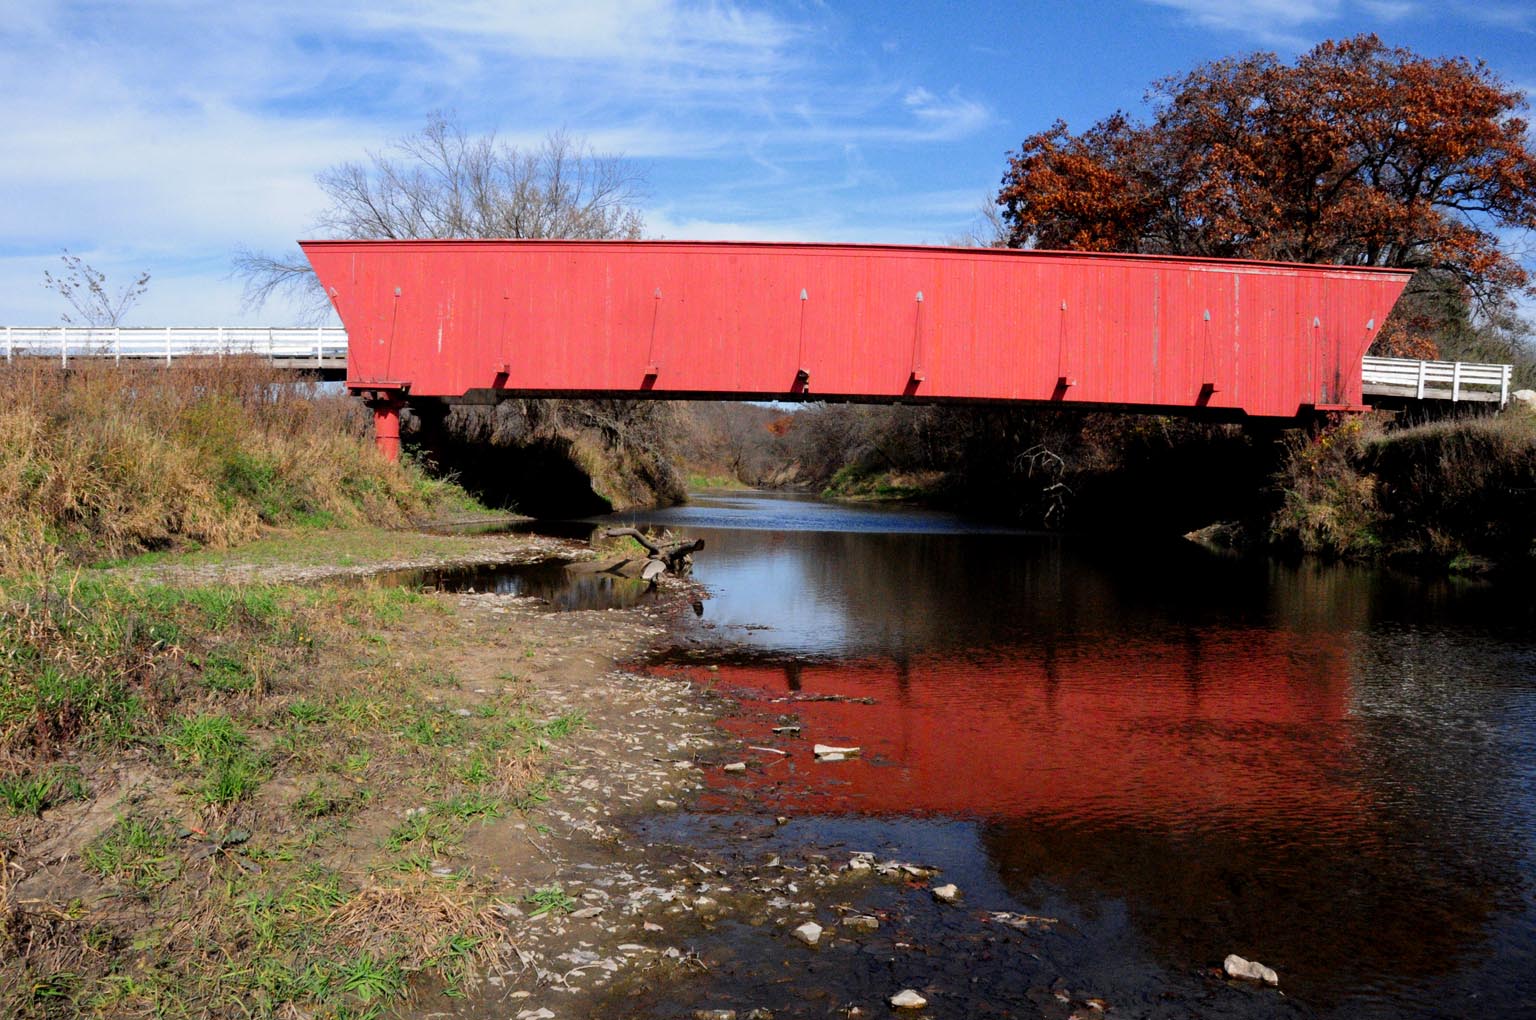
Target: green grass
[(372, 980), (436, 728), (549, 899), (227, 674), (422, 831), (306, 712), (326, 801), (346, 547), (204, 739), (63, 705), (220, 689), (134, 850), (698, 481), (32, 793), (562, 726), (214, 749), (477, 771), (469, 806)]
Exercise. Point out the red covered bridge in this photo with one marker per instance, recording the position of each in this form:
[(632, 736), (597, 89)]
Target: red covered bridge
[(676, 319)]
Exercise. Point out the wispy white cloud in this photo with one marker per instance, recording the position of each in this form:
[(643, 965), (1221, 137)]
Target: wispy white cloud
[(1297, 24), (1272, 22), (1518, 16), (1391, 10), (949, 116), (163, 133)]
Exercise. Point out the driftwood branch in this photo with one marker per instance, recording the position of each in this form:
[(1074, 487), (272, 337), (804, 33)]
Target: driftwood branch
[(677, 557), (661, 557)]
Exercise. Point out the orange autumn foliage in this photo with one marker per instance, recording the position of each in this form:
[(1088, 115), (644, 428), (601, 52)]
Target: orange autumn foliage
[(1356, 154)]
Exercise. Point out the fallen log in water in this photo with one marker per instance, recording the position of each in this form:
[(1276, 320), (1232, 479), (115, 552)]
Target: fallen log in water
[(668, 557)]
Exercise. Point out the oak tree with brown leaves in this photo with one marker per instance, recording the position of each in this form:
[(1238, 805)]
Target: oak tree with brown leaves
[(1355, 154)]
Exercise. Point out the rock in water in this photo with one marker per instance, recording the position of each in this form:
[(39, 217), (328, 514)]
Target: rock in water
[(946, 893), (861, 922), (826, 752), (809, 933), (736, 766), (908, 999), (1250, 970)]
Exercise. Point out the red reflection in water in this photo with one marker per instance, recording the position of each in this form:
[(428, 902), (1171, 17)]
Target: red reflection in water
[(1238, 727)]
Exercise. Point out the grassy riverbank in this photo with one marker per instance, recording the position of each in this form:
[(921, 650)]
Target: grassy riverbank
[(201, 784), (248, 799), (1458, 494)]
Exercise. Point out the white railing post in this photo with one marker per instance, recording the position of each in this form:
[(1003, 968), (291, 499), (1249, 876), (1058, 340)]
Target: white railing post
[(1423, 367), (117, 345), (221, 342), (63, 349), (167, 347), (319, 345), (270, 355), (1455, 382), (8, 347)]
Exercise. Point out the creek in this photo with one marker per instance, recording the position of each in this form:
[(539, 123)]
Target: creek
[(1174, 754)]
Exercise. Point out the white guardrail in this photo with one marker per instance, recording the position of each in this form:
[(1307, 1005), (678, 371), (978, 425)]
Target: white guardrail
[(1436, 380), (316, 346)]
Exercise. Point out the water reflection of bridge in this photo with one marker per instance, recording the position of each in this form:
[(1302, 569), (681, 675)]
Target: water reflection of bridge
[(1218, 784), (1228, 755)]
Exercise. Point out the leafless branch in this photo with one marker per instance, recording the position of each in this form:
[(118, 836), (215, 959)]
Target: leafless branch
[(443, 182), (267, 276), (85, 288)]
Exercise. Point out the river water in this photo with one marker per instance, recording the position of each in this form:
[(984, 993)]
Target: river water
[(1175, 754)]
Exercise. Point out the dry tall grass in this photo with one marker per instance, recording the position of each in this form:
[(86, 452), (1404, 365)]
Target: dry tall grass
[(102, 461), (1446, 491)]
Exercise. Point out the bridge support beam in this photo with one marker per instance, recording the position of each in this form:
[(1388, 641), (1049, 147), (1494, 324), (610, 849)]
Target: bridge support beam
[(386, 428), (386, 401)]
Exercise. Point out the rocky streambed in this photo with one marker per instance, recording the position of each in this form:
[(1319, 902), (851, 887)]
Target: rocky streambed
[(659, 881)]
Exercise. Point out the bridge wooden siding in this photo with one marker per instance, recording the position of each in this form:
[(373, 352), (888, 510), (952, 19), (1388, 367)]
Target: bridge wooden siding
[(774, 321)]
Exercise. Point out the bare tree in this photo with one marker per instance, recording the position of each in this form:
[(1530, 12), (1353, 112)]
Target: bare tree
[(85, 288), (986, 230), (443, 182)]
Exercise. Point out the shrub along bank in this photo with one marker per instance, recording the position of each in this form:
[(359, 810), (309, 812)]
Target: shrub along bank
[(1459, 493)]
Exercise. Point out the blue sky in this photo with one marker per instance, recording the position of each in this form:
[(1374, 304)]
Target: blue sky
[(157, 135)]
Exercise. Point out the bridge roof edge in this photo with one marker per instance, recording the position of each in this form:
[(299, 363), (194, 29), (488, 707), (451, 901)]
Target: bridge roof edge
[(833, 247)]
